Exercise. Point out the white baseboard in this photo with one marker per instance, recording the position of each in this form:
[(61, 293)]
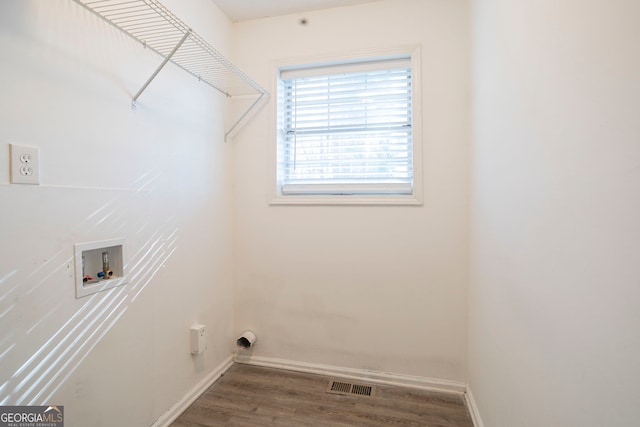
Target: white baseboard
[(356, 374), (473, 408), (174, 412)]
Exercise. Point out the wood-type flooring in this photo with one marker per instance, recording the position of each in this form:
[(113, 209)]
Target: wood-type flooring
[(255, 396)]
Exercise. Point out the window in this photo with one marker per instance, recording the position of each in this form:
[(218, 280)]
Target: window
[(346, 131)]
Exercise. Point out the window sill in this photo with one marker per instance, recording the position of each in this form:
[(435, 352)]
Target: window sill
[(346, 200)]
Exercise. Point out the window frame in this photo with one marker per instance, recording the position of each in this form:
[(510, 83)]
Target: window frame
[(348, 58)]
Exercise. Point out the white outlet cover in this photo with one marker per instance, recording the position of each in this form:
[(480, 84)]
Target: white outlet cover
[(25, 164)]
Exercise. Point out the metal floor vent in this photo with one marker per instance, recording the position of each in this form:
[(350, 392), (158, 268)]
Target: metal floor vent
[(347, 389)]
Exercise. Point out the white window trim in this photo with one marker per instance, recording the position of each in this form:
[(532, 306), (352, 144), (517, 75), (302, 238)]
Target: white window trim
[(278, 198)]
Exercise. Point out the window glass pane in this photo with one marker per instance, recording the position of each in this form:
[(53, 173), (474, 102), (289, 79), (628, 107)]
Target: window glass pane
[(348, 128)]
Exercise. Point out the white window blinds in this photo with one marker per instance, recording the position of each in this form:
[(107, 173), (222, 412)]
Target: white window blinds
[(347, 129)]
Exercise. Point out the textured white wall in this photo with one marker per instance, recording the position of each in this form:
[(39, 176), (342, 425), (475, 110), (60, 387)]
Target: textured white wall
[(365, 287), (159, 176), (555, 275)]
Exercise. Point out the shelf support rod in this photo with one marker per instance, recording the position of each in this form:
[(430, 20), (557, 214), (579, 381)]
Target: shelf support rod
[(243, 116), (155, 73)]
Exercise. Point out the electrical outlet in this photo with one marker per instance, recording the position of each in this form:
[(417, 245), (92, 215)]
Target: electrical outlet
[(25, 164)]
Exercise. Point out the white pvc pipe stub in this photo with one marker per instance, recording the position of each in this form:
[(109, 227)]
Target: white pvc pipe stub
[(247, 339)]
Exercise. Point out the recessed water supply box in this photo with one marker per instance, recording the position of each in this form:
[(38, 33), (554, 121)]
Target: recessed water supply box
[(100, 266)]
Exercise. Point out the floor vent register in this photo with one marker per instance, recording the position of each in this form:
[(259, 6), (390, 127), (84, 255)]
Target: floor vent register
[(350, 389)]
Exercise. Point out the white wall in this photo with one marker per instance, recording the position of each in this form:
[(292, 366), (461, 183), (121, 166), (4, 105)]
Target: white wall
[(554, 292), (364, 287), (158, 176)]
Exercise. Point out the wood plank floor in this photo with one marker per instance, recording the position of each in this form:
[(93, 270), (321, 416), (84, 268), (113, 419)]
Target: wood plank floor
[(255, 396)]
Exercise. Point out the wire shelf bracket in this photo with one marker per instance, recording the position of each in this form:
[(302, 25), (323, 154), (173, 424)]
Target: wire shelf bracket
[(156, 28)]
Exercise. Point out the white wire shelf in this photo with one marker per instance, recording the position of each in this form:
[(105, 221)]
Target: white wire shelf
[(158, 29)]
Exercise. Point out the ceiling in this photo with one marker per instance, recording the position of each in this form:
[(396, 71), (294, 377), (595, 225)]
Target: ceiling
[(242, 10)]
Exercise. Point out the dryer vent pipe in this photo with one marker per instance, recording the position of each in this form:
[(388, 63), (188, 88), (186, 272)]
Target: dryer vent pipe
[(247, 339)]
